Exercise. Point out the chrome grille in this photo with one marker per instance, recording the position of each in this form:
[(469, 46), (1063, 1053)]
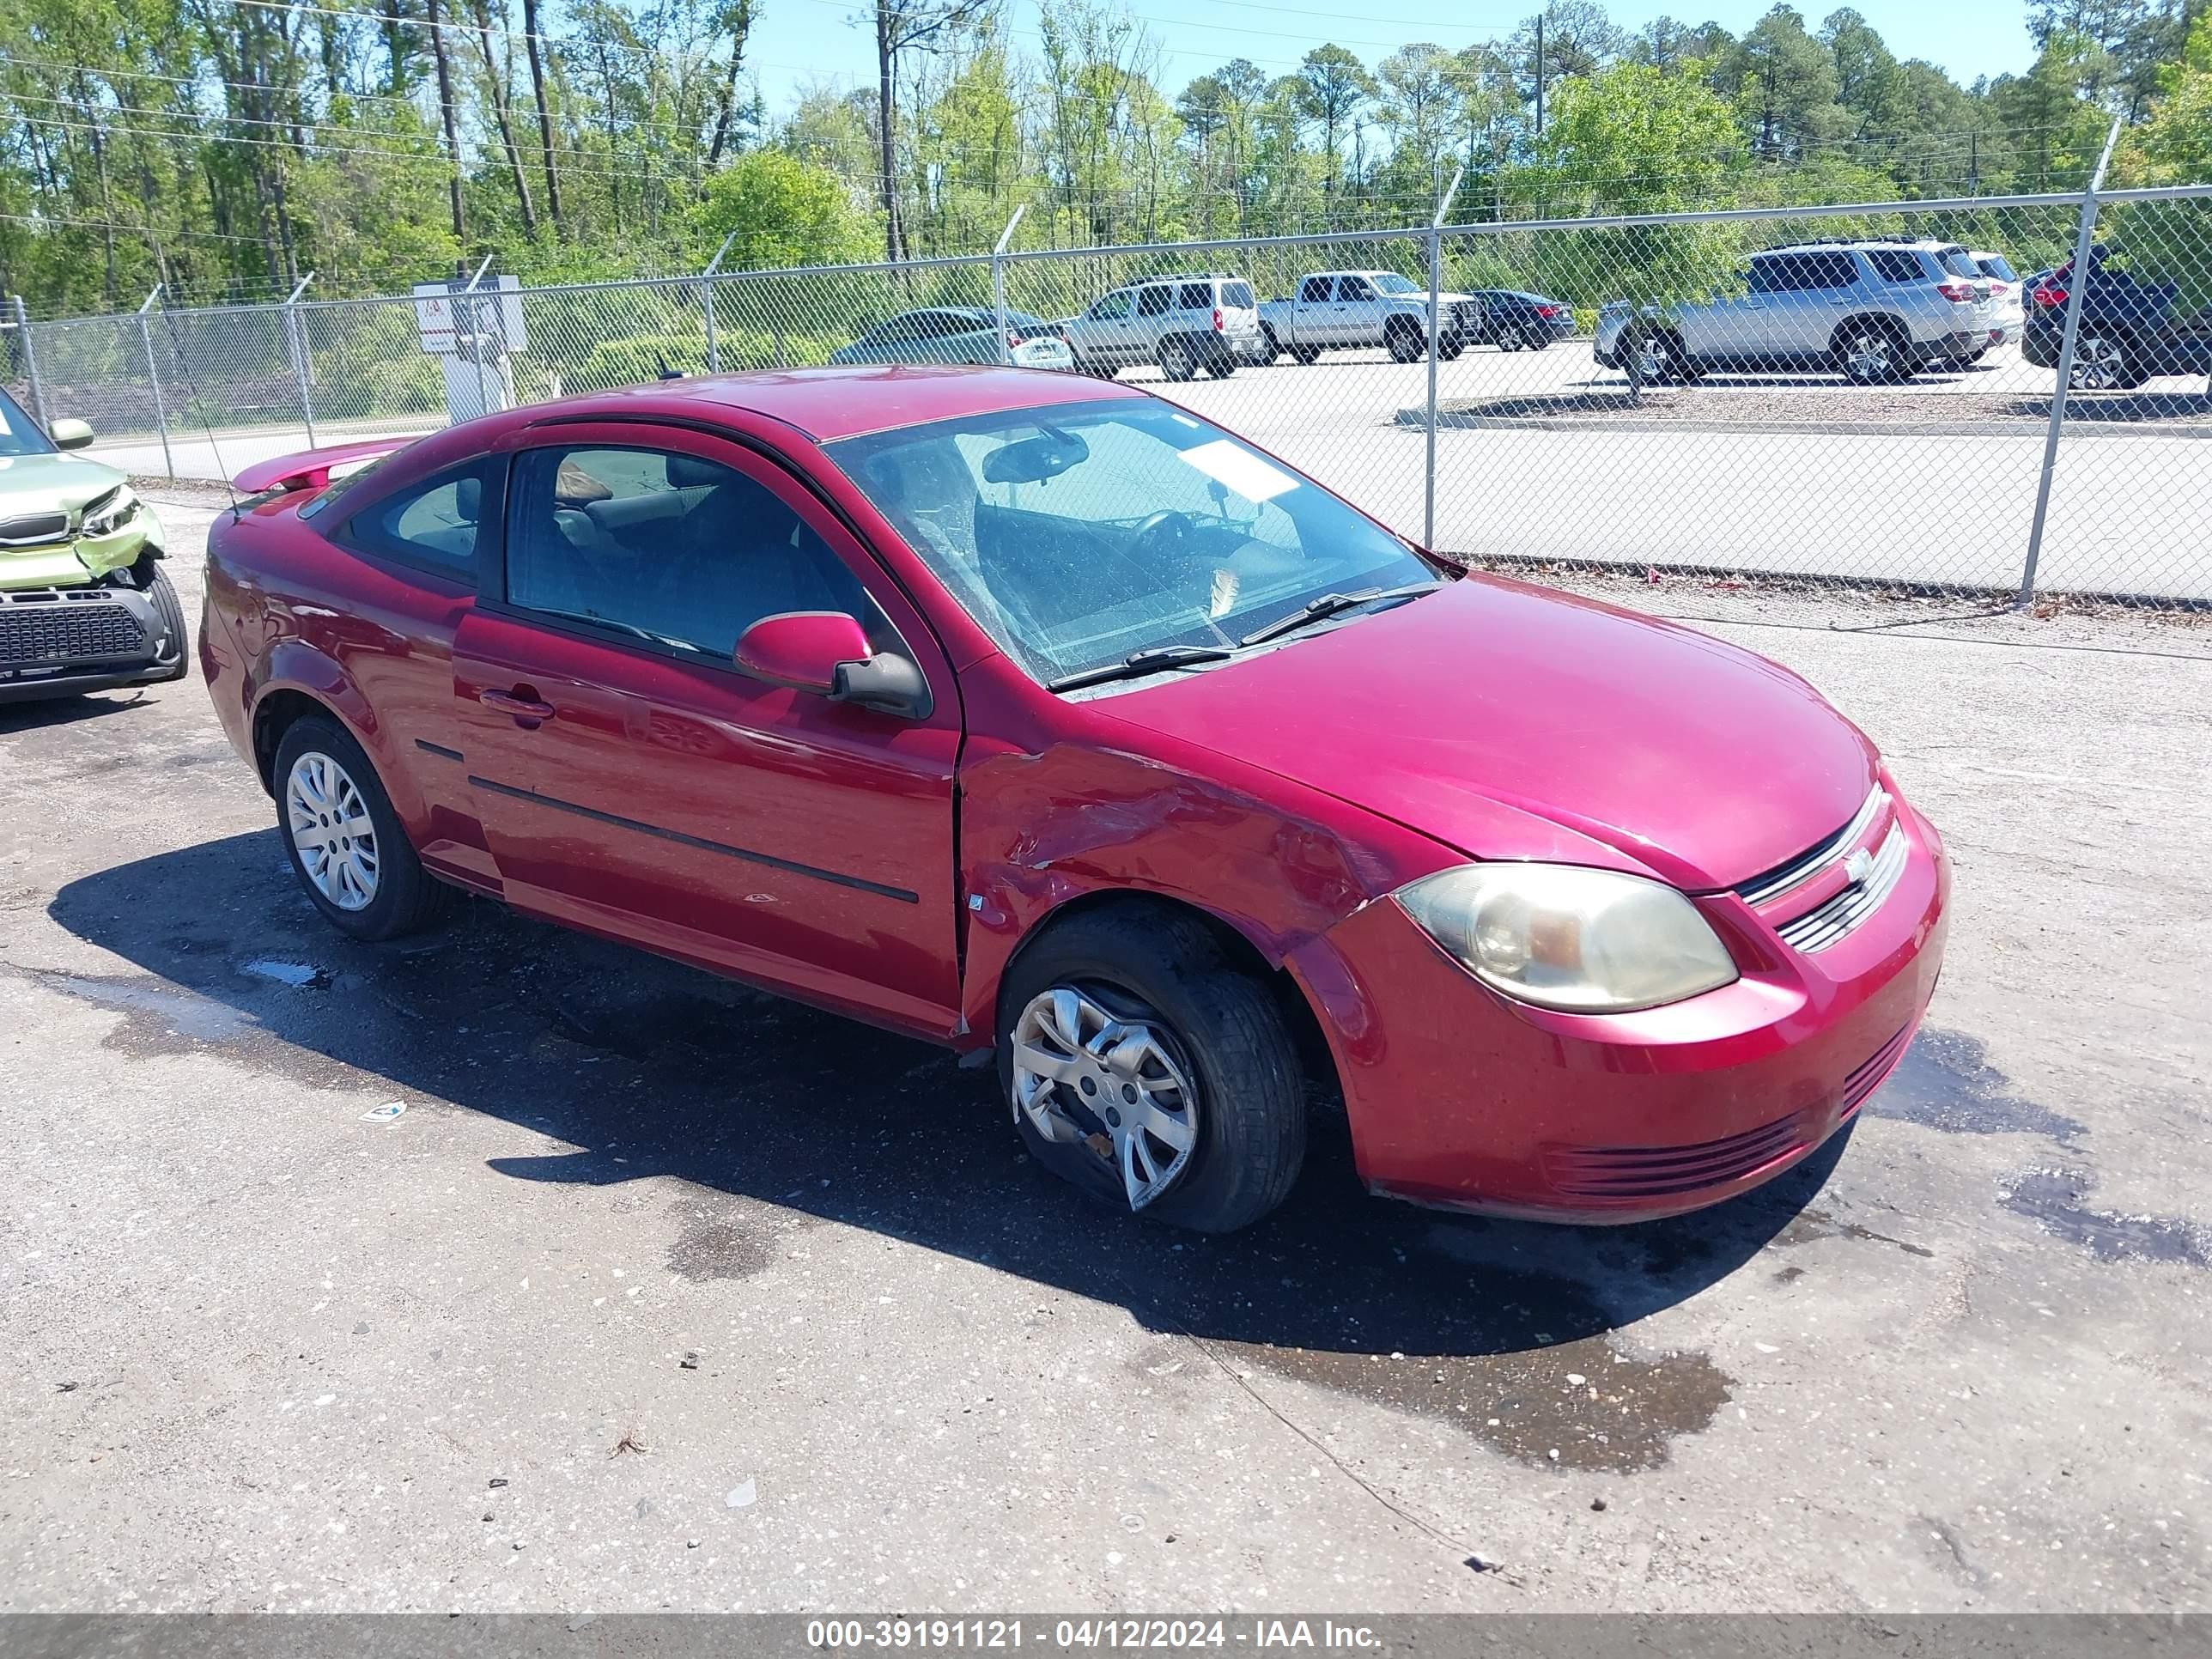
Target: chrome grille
[(1765, 890), (44, 627), (1819, 928), (26, 528)]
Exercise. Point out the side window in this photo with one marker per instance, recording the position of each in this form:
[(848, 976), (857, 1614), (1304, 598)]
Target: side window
[(1153, 301), (436, 525), (1353, 287), (1895, 265), (943, 325), (1112, 308), (683, 552), (1314, 291), (1195, 296), (1768, 276), (1831, 271)]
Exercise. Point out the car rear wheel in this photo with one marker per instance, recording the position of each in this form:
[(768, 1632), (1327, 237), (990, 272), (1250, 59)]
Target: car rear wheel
[(1871, 355), (1530, 339), (2102, 364), (1177, 360), (346, 843), (1153, 1074)]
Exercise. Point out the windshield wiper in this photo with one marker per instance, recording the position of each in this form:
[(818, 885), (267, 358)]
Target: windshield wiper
[(1329, 604), (1138, 664)]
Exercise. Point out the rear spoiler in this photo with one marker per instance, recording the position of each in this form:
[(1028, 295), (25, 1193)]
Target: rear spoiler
[(310, 469)]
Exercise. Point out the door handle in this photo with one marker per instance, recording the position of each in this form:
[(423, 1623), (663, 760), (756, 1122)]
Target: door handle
[(526, 711)]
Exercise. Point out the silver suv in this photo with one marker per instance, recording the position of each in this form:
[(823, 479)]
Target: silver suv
[(1184, 324), (1876, 310)]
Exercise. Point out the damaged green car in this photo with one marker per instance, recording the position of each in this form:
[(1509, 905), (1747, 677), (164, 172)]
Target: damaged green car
[(84, 604)]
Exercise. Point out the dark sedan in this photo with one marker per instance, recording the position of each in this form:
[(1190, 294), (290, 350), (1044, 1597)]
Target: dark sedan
[(1516, 321)]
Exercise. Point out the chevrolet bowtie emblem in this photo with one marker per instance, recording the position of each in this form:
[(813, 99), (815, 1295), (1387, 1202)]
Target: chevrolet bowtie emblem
[(1859, 866)]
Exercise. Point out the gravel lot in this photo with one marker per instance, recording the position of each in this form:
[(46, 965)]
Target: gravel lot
[(661, 1294)]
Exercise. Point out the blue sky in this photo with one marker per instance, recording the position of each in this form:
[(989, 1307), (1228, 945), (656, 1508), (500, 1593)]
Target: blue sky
[(798, 43)]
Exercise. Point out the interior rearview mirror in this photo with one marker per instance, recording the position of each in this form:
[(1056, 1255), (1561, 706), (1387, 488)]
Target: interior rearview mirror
[(1035, 459), (69, 433)]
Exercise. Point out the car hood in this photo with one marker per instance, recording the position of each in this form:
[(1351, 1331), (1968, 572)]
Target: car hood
[(52, 483), (1512, 722)]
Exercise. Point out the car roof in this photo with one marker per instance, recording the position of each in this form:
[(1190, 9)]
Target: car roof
[(836, 402)]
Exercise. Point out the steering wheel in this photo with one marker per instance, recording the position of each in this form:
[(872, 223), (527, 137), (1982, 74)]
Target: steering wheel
[(1164, 535)]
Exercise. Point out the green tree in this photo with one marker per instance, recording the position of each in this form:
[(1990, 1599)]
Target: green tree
[(784, 211)]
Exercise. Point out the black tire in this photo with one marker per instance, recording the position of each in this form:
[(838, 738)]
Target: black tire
[(1168, 968), (1220, 365), (1531, 340), (1670, 364), (1863, 364), (155, 581), (1177, 360), (1307, 355), (407, 897), (1275, 346), (1449, 347), (1405, 342)]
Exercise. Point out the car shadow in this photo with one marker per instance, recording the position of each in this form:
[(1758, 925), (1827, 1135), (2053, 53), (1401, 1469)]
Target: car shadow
[(780, 1116), (68, 709)]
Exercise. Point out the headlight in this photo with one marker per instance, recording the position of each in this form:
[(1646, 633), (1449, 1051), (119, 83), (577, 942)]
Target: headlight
[(110, 513), (1582, 941)]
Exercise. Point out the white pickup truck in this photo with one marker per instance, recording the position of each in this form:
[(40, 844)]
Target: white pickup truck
[(1335, 309)]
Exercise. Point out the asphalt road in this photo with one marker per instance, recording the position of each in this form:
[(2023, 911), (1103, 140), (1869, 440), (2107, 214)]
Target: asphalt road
[(662, 1294), (1905, 485)]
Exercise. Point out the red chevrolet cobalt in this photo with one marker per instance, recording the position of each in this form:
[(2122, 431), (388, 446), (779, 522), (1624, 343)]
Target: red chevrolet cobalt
[(1038, 716)]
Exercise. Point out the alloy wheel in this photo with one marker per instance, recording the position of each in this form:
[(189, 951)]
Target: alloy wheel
[(1102, 1073), (1867, 356), (332, 834), (2100, 364)]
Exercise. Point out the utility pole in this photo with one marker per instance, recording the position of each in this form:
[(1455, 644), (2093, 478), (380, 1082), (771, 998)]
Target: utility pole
[(1540, 75)]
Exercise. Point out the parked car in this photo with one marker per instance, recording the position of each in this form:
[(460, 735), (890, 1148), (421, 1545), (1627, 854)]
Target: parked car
[(2007, 314), (1049, 721), (1878, 311), (84, 603), (1514, 320), (1185, 325), (2131, 327), (1359, 310), (960, 334)]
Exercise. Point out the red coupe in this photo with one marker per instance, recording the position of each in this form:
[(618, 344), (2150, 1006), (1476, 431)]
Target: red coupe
[(1038, 716)]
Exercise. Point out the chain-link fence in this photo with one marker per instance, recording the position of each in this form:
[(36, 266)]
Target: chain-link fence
[(1861, 396)]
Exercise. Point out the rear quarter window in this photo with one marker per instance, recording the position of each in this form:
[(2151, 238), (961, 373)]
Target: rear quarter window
[(1195, 296), (436, 526), (1896, 265), (1238, 295)]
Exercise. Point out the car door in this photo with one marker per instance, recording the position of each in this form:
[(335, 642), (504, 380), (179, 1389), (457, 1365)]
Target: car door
[(1309, 316), (1101, 333), (419, 547), (632, 782), (1154, 304), (1356, 319), (1802, 318), (1732, 329)]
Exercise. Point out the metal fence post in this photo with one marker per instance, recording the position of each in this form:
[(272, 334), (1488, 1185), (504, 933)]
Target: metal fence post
[(707, 298), (30, 358), (1436, 328), (153, 379), (999, 280), (476, 334), (2065, 370), (295, 342)]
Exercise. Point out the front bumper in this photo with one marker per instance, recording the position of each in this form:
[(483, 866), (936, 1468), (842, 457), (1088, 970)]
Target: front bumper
[(55, 642), (1460, 1099)]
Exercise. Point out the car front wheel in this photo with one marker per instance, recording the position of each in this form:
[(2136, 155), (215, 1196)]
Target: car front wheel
[(345, 842), (1156, 1075)]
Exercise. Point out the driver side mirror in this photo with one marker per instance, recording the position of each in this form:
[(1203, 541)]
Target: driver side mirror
[(825, 653), (68, 434)]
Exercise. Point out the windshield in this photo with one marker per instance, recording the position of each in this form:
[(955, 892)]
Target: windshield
[(19, 433), (1391, 283), (1079, 533)]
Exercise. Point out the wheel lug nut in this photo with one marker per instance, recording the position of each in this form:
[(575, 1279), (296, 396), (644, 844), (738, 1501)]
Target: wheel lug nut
[(1129, 1093), (1089, 1085)]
